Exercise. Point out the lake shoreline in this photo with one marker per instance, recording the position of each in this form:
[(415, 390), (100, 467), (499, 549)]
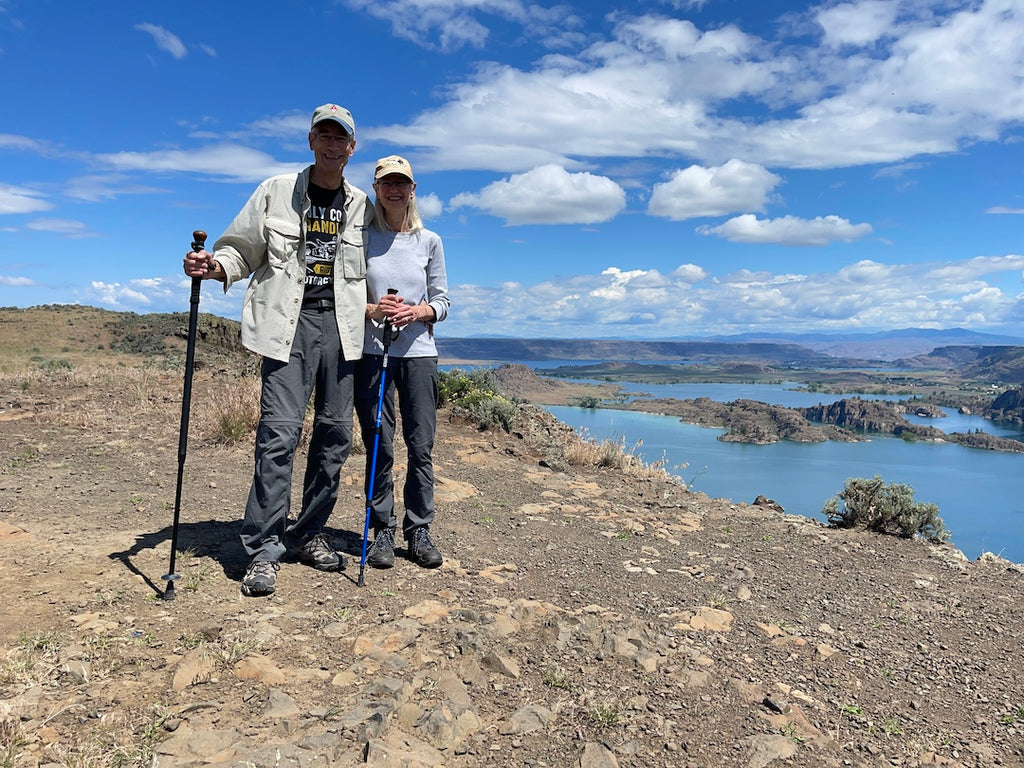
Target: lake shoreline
[(749, 420), (974, 489)]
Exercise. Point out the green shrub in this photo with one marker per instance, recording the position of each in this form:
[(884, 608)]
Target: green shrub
[(885, 508), (465, 388), (474, 394), (495, 411)]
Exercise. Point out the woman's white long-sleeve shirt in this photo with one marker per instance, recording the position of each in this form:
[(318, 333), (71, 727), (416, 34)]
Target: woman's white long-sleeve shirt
[(412, 263)]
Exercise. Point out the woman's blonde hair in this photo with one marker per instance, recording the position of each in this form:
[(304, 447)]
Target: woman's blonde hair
[(413, 222)]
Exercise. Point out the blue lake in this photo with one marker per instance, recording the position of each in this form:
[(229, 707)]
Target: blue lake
[(977, 492)]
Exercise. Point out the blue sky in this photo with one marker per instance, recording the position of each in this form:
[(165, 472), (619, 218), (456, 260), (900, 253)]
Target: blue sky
[(652, 169)]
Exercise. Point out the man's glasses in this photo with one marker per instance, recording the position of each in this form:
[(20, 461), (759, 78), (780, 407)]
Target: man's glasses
[(327, 138), (394, 184)]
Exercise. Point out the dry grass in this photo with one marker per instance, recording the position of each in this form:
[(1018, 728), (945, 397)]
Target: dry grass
[(613, 454), (224, 409), (82, 403), (118, 739), (32, 661), (12, 743), (36, 659), (231, 414)]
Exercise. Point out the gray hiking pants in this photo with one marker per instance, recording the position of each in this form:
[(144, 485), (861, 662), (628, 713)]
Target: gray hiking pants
[(316, 365), (415, 380)]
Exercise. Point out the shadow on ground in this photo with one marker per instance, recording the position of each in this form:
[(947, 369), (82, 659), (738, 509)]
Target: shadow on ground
[(220, 541)]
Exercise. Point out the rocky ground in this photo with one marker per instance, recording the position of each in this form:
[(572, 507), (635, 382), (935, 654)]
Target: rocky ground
[(585, 615)]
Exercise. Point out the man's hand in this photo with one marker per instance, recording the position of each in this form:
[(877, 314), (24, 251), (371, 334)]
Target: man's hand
[(201, 264)]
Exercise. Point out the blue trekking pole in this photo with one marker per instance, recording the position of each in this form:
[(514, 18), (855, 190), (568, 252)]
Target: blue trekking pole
[(388, 335)]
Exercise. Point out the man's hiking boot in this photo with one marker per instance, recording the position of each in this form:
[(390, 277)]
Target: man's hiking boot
[(382, 551), (260, 578), (318, 553), (422, 550)]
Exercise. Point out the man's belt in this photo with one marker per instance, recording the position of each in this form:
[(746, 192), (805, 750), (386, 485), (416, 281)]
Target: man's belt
[(318, 305)]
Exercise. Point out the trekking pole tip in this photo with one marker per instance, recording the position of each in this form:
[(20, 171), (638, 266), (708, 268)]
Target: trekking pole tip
[(170, 578)]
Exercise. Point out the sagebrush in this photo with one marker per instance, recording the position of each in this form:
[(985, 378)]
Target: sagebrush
[(474, 394), (885, 508)]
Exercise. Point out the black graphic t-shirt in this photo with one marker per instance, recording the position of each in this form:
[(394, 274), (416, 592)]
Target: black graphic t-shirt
[(324, 221)]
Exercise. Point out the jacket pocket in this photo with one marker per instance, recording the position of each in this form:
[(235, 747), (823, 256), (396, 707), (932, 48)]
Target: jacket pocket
[(283, 238), (353, 254)]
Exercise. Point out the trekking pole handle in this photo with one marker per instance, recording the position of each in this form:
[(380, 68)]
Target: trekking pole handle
[(389, 334), (198, 244)]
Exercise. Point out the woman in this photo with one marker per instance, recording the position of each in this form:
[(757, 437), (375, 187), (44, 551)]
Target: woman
[(407, 259)]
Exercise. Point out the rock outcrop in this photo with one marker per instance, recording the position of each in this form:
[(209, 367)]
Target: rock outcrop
[(1009, 406)]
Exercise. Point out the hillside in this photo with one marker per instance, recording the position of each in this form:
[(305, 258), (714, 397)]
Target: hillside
[(590, 612), (504, 350), (1003, 364), (825, 350)]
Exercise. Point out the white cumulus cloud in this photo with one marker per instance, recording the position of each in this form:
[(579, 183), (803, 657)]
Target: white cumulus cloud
[(429, 206), (548, 194), (859, 23), (690, 274), (717, 191), (864, 295), (454, 24), (932, 80), (788, 230), (117, 296)]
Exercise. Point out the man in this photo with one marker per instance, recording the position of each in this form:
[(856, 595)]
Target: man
[(302, 238)]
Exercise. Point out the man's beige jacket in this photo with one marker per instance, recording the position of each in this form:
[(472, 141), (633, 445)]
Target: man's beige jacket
[(267, 240)]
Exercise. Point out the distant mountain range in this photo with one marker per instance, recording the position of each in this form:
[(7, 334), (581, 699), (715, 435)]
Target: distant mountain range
[(799, 349), (517, 350), (883, 345)]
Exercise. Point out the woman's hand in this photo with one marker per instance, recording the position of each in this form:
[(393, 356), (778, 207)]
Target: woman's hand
[(401, 314)]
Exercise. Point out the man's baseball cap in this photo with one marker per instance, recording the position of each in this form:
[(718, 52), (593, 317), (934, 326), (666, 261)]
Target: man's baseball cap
[(340, 115), (392, 164)]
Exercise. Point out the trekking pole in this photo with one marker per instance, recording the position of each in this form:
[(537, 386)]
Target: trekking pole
[(198, 243), (386, 339)]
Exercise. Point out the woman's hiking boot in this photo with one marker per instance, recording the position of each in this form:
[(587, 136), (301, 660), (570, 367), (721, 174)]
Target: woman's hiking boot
[(422, 549), (382, 551)]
